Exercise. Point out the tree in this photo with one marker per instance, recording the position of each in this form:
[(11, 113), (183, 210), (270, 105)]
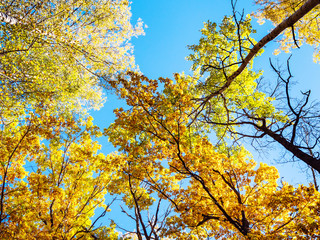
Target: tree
[(62, 49), (229, 97), (53, 57), (53, 179), (307, 27), (140, 198), (214, 191), (57, 54), (51, 191)]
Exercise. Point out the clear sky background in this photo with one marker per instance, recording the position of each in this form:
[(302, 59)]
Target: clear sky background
[(174, 24)]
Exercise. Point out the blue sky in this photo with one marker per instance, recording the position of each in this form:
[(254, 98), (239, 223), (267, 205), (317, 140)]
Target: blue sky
[(172, 25)]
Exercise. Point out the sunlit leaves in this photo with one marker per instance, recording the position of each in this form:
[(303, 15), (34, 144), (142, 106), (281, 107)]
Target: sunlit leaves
[(304, 31), (63, 49), (53, 62), (215, 192), (63, 186)]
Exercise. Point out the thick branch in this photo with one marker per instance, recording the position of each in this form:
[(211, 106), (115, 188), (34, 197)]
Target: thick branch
[(289, 22), (295, 150)]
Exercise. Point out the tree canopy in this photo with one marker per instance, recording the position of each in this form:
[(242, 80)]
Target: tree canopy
[(181, 170)]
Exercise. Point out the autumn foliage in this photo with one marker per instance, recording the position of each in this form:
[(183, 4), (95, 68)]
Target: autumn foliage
[(179, 169), (215, 191)]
